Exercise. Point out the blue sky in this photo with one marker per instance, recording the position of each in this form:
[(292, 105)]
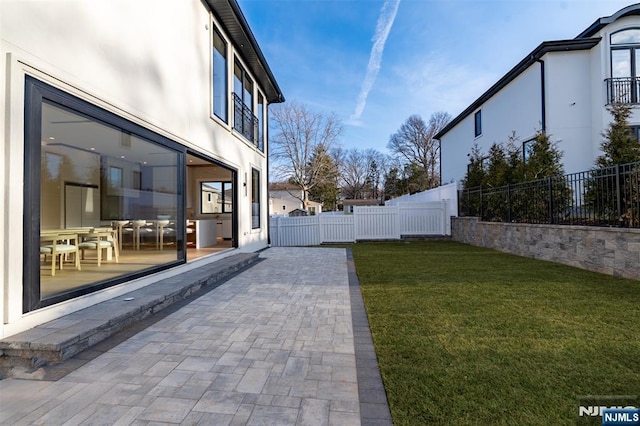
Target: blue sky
[(375, 63)]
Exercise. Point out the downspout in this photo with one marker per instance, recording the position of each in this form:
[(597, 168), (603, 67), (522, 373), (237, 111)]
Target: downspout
[(543, 121), (440, 161), (266, 154)]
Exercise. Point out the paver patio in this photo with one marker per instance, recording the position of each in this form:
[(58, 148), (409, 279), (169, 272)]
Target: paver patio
[(272, 345)]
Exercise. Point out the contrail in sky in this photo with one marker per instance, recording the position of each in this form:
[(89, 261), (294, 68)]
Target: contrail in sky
[(383, 27)]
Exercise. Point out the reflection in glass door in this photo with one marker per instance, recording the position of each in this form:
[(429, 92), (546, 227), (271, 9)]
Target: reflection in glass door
[(81, 205), (104, 203)]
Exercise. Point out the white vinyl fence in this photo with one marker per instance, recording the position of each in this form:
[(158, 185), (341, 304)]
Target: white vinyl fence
[(366, 223), (444, 192)]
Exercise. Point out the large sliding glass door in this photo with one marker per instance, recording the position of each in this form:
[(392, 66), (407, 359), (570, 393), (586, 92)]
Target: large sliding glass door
[(104, 198)]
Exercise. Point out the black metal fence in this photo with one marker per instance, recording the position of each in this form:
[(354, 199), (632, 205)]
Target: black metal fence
[(602, 197)]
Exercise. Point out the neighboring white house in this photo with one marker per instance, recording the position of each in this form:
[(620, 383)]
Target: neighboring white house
[(563, 88), (284, 200), (137, 115)]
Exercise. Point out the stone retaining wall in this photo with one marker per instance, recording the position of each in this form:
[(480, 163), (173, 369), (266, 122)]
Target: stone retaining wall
[(613, 251)]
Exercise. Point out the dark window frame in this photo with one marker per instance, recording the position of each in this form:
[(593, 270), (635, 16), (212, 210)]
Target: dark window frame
[(136, 180), (120, 182), (224, 90), (261, 106), (245, 121), (527, 146), (477, 123), (224, 185), (255, 199), (37, 92), (484, 163)]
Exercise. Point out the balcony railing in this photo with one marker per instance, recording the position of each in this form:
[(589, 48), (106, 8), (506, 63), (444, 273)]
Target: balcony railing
[(624, 90), (244, 121)]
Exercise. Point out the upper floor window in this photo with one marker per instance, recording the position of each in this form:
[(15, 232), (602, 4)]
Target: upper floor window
[(260, 113), (219, 76), (243, 85), (477, 119), (625, 53), (243, 119), (625, 66), (630, 36)]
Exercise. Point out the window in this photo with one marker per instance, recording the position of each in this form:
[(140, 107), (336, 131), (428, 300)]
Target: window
[(136, 180), (635, 131), (482, 163), (115, 177), (477, 118), (219, 76), (243, 119), (217, 197), (261, 122), (527, 149), (625, 66), (79, 177), (255, 199)]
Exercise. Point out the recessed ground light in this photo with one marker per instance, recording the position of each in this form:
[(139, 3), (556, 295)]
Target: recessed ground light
[(122, 156), (51, 138), (92, 149)]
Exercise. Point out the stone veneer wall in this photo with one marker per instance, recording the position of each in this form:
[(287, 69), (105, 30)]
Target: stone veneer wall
[(613, 251)]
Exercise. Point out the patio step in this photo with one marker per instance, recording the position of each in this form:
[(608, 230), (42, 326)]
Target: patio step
[(62, 338)]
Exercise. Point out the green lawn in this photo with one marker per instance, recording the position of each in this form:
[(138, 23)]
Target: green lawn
[(466, 335)]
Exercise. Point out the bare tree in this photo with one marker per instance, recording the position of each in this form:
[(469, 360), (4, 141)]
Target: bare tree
[(354, 170), (300, 144), (414, 143)]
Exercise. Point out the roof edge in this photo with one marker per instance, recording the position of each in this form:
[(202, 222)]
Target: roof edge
[(534, 56), (273, 93), (600, 23)]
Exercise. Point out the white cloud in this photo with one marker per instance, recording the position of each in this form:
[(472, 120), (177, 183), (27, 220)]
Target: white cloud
[(383, 27)]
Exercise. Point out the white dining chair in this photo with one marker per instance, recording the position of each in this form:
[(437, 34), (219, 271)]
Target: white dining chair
[(61, 246)]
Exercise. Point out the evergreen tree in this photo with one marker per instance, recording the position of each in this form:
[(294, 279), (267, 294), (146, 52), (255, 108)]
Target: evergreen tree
[(415, 179), (393, 184), (544, 159), (470, 198), (475, 175), (497, 168), (326, 191), (549, 202), (515, 163), (620, 145)]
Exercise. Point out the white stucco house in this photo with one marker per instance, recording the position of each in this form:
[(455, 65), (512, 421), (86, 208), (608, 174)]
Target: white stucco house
[(562, 87), (127, 127), (284, 199)]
